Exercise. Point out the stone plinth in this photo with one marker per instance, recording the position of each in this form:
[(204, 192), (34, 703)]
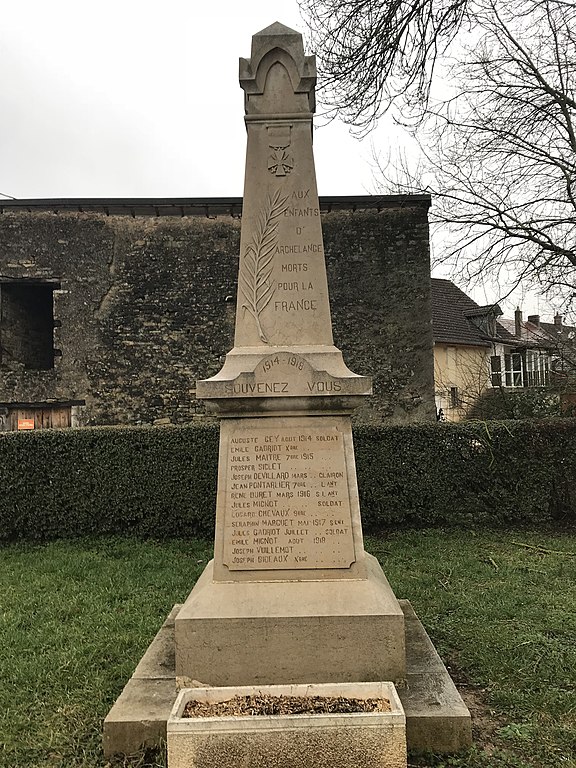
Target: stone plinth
[(251, 632)]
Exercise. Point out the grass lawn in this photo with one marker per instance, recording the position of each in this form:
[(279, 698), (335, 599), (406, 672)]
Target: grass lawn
[(75, 617)]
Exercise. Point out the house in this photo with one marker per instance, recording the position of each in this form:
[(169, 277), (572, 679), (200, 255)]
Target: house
[(533, 352), (563, 339), (563, 362), (476, 350), (466, 337)]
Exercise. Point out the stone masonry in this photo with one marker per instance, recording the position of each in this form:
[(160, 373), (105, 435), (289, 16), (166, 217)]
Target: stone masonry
[(144, 304)]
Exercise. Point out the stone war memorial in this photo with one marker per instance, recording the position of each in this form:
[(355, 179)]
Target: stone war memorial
[(291, 597)]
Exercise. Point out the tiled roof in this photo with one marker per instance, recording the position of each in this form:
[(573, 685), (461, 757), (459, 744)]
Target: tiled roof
[(561, 334), (530, 334), (563, 340), (450, 308)]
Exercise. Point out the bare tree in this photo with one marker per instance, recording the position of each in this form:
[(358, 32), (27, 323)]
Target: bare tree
[(499, 155), (498, 151), (373, 53)]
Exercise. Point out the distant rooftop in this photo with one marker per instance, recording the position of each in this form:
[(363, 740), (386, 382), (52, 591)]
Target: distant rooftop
[(200, 206), (530, 334), (451, 309)]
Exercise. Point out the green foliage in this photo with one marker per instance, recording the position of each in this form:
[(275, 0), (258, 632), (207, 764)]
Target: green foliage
[(147, 481), (524, 403), (470, 473), (160, 482)]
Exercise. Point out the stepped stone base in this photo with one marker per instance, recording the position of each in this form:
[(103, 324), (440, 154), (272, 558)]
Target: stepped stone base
[(436, 717), (138, 717)]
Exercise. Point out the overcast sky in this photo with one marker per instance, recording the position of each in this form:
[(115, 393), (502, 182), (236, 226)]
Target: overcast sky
[(133, 98)]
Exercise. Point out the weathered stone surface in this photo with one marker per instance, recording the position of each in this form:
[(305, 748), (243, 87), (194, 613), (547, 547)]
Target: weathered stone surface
[(138, 717), (282, 309), (437, 718), (282, 278), (158, 663), (370, 740), (146, 307), (381, 309), (266, 632), (287, 505)]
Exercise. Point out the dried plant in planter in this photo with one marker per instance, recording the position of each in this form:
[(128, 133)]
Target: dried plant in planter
[(262, 704)]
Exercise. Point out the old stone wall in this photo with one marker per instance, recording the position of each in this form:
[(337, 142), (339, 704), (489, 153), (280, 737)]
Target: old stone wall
[(144, 306), (379, 279)]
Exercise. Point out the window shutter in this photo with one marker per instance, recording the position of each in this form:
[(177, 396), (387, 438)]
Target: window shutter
[(496, 370)]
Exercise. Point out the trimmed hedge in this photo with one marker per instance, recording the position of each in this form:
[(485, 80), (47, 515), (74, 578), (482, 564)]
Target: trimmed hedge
[(472, 473), (148, 481), (522, 403), (161, 481)]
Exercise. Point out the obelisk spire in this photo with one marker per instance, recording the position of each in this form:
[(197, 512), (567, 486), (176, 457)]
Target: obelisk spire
[(283, 344), (282, 291)]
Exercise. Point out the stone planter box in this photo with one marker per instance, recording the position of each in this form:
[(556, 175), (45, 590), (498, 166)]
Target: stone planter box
[(350, 740)]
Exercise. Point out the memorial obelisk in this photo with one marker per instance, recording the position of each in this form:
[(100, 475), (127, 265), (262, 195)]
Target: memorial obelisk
[(291, 596)]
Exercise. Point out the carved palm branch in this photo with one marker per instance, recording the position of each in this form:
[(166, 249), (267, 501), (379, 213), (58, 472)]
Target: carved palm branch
[(255, 276)]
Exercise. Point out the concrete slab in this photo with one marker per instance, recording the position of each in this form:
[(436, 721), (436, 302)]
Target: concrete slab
[(138, 718), (159, 660), (436, 717)]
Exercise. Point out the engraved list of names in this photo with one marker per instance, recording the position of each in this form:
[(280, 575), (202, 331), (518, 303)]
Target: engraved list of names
[(286, 498)]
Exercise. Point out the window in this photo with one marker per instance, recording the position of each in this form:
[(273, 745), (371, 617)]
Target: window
[(513, 370), (517, 370), (27, 324), (496, 370), (537, 369), (454, 397), (507, 370)]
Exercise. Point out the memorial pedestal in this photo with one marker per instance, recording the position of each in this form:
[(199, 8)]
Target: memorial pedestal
[(250, 633), (291, 596)]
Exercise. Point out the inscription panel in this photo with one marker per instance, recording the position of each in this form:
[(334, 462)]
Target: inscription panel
[(283, 292), (286, 498)]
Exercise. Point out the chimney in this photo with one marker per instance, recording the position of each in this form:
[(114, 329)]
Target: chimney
[(558, 321), (534, 319), (518, 322)]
